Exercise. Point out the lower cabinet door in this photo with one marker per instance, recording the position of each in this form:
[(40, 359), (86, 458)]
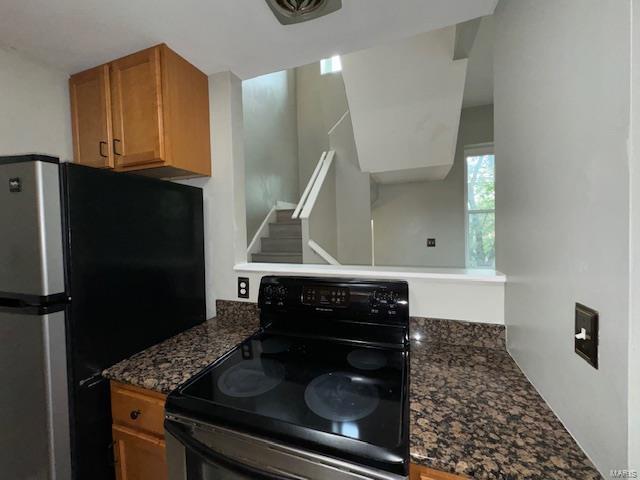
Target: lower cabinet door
[(138, 456)]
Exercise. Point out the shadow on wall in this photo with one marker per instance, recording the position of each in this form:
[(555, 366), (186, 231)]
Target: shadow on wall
[(271, 144)]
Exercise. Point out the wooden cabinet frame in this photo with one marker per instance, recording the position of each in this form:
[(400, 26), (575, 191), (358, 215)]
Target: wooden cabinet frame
[(148, 113), (132, 115), (138, 434), (417, 472), (90, 96)]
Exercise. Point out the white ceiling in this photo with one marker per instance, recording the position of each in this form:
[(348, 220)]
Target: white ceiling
[(216, 35), (478, 89)]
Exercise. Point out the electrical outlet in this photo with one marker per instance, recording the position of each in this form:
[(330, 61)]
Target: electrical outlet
[(243, 287), (431, 242), (586, 334)]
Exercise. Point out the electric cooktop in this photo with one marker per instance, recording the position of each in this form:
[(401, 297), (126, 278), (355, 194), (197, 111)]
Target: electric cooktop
[(332, 379)]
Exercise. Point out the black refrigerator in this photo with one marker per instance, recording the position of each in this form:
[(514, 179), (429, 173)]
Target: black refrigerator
[(94, 267)]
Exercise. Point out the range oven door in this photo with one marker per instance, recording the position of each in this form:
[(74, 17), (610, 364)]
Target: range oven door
[(190, 459), (197, 451)]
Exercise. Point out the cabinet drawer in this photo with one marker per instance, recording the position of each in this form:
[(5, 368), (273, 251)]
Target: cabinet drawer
[(137, 408)]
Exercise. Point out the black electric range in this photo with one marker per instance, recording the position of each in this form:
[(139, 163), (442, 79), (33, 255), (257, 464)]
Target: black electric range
[(327, 373)]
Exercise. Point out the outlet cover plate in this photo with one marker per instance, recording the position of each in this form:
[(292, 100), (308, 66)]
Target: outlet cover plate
[(243, 287), (588, 319)]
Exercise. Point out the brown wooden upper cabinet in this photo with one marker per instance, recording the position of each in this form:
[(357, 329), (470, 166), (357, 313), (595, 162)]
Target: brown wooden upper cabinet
[(147, 112)]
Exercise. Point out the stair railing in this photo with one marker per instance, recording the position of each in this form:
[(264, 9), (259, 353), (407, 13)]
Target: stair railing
[(321, 252), (325, 164), (310, 183), (325, 228), (262, 232)]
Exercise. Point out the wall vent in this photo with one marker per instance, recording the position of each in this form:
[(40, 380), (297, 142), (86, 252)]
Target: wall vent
[(296, 11)]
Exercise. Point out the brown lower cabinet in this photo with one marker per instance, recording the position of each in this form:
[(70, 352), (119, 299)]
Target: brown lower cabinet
[(138, 456), (138, 433), (423, 473), (138, 437)]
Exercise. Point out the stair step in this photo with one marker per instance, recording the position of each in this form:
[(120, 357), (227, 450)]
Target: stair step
[(277, 257), (281, 244), (283, 215), (290, 221), (285, 230)]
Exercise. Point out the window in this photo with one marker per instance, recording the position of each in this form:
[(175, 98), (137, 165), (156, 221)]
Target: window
[(330, 65), (480, 192)]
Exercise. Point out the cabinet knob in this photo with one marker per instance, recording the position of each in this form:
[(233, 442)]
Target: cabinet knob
[(135, 414), (101, 151), (115, 150)]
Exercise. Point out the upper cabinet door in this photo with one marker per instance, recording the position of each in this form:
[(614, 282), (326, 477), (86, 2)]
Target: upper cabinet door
[(91, 117), (138, 136)]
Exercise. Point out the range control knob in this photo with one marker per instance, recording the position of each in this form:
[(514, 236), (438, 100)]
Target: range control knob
[(374, 299), (384, 299), (268, 291), (281, 293), (392, 299)]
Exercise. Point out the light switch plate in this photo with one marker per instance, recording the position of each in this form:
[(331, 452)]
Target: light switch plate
[(586, 343)]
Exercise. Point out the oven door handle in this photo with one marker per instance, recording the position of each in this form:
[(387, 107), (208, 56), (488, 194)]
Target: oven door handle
[(216, 459)]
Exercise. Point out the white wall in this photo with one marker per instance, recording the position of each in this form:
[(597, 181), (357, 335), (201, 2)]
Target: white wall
[(321, 101), (224, 193), (271, 144), (405, 100), (225, 234), (406, 214), (451, 294), (322, 223), (353, 198), (34, 101), (634, 290), (561, 126)]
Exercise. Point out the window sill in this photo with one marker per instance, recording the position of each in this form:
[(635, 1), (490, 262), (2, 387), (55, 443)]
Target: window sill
[(461, 275)]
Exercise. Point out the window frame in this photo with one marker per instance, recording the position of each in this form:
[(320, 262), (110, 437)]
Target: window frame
[(331, 60), (476, 150)]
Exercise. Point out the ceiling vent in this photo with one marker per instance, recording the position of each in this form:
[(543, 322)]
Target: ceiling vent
[(297, 11)]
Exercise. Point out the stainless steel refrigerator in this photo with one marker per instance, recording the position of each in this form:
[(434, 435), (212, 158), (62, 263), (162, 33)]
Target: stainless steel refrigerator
[(94, 267)]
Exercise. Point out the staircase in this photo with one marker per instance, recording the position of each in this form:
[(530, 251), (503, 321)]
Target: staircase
[(284, 243)]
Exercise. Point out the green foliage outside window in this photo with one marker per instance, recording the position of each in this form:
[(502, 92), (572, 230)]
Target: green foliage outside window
[(481, 204)]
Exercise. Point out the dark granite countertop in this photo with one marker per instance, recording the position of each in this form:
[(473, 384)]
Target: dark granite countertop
[(473, 412), (165, 366)]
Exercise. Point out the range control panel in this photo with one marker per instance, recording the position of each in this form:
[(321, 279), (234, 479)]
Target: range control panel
[(325, 295), (364, 300), (345, 308), (384, 301), (274, 294)]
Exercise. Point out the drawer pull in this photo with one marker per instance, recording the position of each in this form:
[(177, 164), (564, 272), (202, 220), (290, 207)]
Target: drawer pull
[(135, 414)]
